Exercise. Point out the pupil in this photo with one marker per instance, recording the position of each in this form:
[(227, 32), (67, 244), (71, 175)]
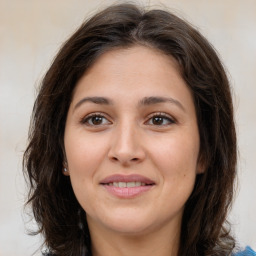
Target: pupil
[(157, 120), (96, 120)]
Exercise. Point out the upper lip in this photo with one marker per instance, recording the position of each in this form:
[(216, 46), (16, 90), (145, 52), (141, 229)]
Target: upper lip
[(127, 178)]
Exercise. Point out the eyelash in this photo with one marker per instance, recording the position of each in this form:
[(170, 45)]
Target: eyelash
[(164, 116), (89, 117), (161, 115)]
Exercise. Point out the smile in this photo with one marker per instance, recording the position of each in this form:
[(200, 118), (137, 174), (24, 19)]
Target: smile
[(127, 186)]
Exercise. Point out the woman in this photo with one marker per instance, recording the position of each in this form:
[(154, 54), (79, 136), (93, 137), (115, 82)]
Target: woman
[(132, 148)]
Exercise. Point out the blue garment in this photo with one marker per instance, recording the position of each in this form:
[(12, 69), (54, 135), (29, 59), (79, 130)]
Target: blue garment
[(247, 252)]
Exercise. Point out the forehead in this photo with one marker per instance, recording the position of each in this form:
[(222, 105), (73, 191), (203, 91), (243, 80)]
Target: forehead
[(134, 67), (137, 59)]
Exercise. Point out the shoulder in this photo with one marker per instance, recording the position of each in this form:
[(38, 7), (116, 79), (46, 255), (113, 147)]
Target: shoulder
[(247, 252)]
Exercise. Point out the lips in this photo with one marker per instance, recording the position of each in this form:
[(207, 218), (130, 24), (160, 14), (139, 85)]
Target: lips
[(130, 184), (127, 186), (127, 179)]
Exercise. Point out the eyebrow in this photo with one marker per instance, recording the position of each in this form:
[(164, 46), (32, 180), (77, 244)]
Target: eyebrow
[(96, 100), (146, 101), (155, 100)]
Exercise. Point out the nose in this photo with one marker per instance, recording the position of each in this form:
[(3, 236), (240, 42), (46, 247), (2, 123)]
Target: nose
[(126, 145)]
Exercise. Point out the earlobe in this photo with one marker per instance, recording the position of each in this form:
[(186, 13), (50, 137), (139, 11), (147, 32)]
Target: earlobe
[(201, 165), (65, 171), (199, 171)]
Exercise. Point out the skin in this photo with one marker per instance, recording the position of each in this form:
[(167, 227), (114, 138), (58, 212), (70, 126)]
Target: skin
[(157, 140)]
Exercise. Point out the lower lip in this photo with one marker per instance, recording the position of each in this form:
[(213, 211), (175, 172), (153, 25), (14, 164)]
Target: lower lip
[(127, 192)]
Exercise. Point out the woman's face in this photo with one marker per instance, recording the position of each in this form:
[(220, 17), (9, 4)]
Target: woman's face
[(132, 142)]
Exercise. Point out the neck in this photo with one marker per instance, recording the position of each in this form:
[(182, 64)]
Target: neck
[(164, 242)]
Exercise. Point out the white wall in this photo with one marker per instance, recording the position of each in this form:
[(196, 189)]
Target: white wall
[(31, 31)]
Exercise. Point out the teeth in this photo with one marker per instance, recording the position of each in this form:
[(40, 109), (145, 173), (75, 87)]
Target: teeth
[(127, 184), (122, 184), (130, 184), (137, 183)]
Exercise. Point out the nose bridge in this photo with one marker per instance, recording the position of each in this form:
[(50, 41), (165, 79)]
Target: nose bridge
[(126, 135), (126, 145)]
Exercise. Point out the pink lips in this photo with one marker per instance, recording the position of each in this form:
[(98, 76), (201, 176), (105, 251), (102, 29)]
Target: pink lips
[(127, 192), (126, 178)]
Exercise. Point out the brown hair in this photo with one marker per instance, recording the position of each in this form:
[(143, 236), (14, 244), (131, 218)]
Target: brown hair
[(60, 218)]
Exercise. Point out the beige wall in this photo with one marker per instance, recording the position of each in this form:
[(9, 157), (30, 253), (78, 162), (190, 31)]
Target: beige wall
[(31, 31)]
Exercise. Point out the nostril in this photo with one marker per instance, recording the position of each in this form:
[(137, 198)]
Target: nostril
[(116, 159)]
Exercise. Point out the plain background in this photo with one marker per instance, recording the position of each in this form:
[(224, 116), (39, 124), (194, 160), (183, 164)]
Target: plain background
[(31, 32)]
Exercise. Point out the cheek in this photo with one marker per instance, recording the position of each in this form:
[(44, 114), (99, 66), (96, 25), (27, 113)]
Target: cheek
[(84, 156), (177, 166), (83, 153), (179, 153), (176, 159)]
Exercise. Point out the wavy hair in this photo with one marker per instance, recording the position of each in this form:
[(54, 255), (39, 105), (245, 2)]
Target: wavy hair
[(61, 220)]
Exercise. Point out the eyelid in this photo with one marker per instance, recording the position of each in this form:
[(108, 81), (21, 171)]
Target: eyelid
[(164, 115), (93, 114)]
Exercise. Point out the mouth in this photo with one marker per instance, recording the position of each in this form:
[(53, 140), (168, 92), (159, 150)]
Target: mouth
[(127, 186), (130, 184)]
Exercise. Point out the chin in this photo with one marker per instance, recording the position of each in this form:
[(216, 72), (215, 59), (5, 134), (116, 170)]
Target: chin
[(125, 223), (130, 228)]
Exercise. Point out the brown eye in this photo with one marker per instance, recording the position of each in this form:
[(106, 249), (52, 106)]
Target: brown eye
[(95, 120), (160, 120), (157, 120)]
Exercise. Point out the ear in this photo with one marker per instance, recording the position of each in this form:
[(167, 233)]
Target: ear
[(201, 164), (65, 170)]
